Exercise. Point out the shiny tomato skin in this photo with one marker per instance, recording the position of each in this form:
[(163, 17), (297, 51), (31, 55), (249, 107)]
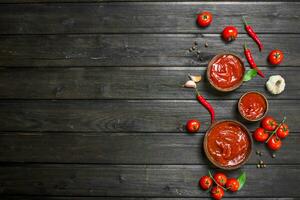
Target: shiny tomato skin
[(232, 184), (282, 131), (260, 135), (193, 126), (217, 192), (204, 19), (274, 143), (220, 178), (269, 123), (205, 182), (229, 33), (275, 57)]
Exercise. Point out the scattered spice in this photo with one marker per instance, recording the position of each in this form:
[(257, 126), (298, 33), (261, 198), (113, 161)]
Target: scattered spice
[(196, 43), (251, 61), (273, 155), (258, 165), (252, 34), (257, 152), (261, 162), (206, 44)]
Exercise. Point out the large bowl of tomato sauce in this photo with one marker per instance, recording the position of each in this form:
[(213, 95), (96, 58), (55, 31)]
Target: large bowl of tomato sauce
[(228, 144), (225, 72)]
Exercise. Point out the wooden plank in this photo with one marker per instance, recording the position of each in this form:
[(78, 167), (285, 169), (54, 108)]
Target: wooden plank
[(125, 148), (126, 115), (145, 17), (127, 83), (134, 50), (139, 180)]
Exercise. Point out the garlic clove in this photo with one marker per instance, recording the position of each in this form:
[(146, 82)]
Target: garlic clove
[(190, 84), (195, 78), (275, 84)]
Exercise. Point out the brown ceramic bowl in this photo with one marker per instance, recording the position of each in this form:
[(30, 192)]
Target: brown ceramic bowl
[(247, 153), (260, 118), (229, 89)]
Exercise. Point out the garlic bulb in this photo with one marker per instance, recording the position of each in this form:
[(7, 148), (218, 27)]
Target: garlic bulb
[(275, 84), (190, 84)]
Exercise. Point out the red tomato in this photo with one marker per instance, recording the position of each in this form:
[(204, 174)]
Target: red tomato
[(229, 33), (204, 19), (269, 123), (193, 126), (205, 182), (274, 143), (275, 57), (217, 193), (282, 131), (260, 135), (232, 184), (220, 178)]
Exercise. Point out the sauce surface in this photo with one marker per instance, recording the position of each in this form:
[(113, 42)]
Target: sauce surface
[(228, 144), (253, 106), (227, 71)]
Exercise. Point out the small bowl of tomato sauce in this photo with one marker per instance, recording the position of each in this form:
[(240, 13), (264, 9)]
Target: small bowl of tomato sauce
[(253, 106), (228, 144), (225, 72)]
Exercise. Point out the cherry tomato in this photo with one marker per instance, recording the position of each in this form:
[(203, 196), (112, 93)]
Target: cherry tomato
[(229, 33), (193, 126), (269, 123), (260, 135), (220, 178), (275, 57), (205, 182), (217, 193), (204, 19), (282, 131), (274, 143), (232, 184)]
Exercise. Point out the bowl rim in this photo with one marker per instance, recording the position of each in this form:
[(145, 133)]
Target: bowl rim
[(208, 154), (209, 67), (266, 111)]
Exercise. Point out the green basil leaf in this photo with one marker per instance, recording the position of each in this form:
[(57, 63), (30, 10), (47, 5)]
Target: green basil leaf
[(242, 179), (250, 74)]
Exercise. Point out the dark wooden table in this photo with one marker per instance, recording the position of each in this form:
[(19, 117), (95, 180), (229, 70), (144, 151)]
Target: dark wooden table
[(92, 105)]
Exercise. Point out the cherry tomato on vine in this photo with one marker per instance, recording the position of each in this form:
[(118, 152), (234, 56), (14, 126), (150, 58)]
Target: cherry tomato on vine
[(232, 184), (220, 178), (217, 193), (205, 182), (282, 131), (274, 143), (260, 135), (193, 126), (275, 57), (204, 19), (230, 33), (269, 123)]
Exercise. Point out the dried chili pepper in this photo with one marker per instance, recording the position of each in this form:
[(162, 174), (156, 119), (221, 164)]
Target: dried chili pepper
[(252, 34), (207, 105), (251, 61)]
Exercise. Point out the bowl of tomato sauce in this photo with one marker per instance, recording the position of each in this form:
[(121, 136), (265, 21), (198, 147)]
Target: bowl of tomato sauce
[(225, 72), (228, 144), (253, 106)]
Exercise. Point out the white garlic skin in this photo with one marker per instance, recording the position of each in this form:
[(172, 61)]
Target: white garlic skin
[(190, 84), (275, 84)]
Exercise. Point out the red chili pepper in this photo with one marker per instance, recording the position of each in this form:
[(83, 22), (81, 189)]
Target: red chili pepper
[(207, 105), (251, 61), (252, 34)]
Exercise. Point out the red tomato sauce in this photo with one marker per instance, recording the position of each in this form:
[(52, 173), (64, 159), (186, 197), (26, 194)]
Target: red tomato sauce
[(227, 71), (253, 106), (228, 144)]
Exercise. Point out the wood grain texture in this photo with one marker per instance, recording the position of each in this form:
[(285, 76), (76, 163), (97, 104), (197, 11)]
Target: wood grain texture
[(138, 180), (128, 83), (125, 148), (132, 50), (145, 17), (126, 115)]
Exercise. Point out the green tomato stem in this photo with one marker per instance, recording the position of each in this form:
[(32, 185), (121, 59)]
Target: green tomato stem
[(284, 118), (210, 175)]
